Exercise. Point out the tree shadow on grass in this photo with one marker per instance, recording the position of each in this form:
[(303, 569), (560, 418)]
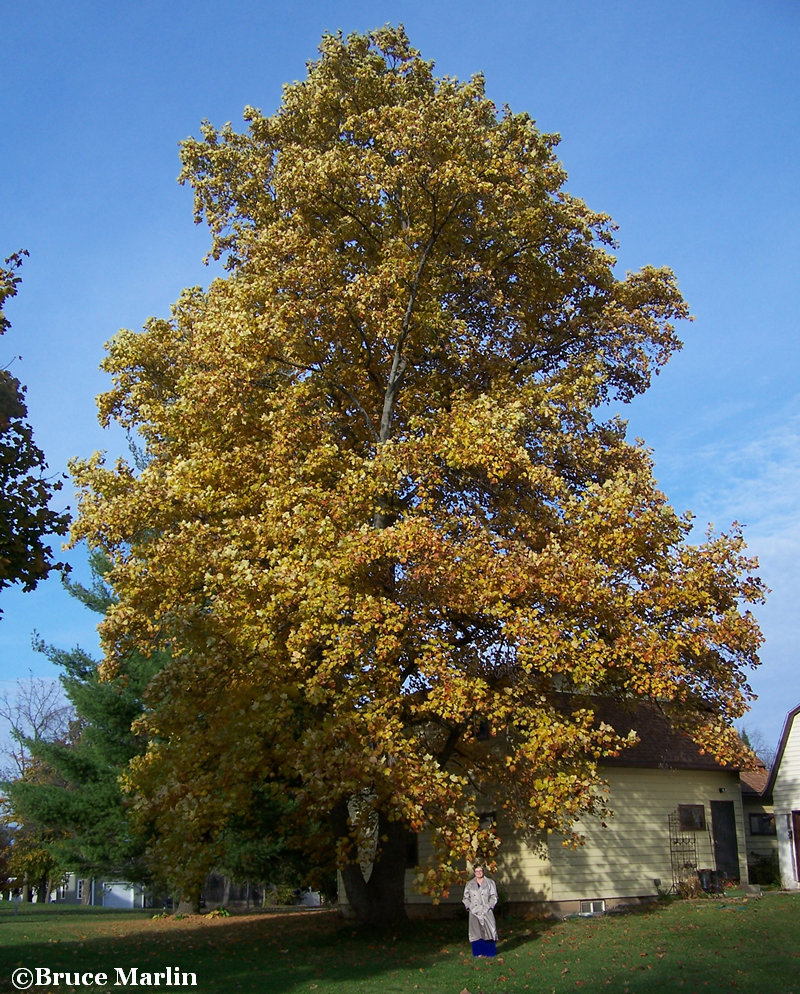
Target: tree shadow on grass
[(262, 953)]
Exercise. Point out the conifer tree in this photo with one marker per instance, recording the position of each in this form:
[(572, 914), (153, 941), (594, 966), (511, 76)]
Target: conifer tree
[(76, 798)]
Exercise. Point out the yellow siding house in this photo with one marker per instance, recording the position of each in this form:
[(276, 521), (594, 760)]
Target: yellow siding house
[(678, 822)]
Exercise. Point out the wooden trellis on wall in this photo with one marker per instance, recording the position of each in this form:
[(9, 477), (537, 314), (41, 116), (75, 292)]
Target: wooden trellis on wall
[(682, 852)]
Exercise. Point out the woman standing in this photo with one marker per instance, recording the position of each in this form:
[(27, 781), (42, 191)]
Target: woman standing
[(480, 896)]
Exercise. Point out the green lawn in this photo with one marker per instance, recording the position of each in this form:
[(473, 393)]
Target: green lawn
[(720, 944)]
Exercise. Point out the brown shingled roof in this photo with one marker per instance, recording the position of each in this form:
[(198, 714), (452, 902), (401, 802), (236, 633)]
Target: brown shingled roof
[(754, 782), (660, 745)]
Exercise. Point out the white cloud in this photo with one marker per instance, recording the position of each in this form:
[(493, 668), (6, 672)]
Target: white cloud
[(750, 473)]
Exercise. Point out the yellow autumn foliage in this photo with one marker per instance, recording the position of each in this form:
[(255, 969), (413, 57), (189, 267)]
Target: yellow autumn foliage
[(391, 547)]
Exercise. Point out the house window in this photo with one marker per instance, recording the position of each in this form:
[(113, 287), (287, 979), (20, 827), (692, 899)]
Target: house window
[(692, 817), (79, 890), (762, 824)]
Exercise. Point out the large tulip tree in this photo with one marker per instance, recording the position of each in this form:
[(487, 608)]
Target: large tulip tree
[(392, 546)]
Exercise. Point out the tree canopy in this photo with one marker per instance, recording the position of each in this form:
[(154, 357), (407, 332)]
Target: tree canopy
[(25, 492), (390, 540)]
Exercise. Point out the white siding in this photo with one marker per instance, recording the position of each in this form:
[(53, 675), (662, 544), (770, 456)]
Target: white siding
[(119, 894), (786, 799)]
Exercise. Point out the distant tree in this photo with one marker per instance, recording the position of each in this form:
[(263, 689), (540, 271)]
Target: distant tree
[(393, 546), (756, 741), (32, 853), (34, 711), (37, 714), (26, 520), (5, 856)]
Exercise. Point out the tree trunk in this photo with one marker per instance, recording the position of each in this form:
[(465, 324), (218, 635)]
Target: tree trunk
[(189, 904), (380, 898)]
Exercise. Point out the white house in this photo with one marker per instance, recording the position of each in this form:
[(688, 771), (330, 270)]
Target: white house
[(784, 785)]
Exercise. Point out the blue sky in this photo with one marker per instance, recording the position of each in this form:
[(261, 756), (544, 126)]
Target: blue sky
[(680, 119)]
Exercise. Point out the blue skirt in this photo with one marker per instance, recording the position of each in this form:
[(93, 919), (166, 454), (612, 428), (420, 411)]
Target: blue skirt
[(484, 947)]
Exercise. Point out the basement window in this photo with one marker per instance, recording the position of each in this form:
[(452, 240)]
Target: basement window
[(595, 907)]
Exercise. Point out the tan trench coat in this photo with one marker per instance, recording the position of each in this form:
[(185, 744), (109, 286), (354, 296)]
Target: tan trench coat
[(479, 901)]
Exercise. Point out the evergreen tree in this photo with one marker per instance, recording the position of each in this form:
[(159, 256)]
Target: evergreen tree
[(81, 797)]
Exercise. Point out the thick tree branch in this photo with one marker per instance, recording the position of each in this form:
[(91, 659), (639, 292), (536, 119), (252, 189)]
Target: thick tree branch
[(399, 362)]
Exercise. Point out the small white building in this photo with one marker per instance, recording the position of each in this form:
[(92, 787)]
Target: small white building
[(784, 785), (102, 893)]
